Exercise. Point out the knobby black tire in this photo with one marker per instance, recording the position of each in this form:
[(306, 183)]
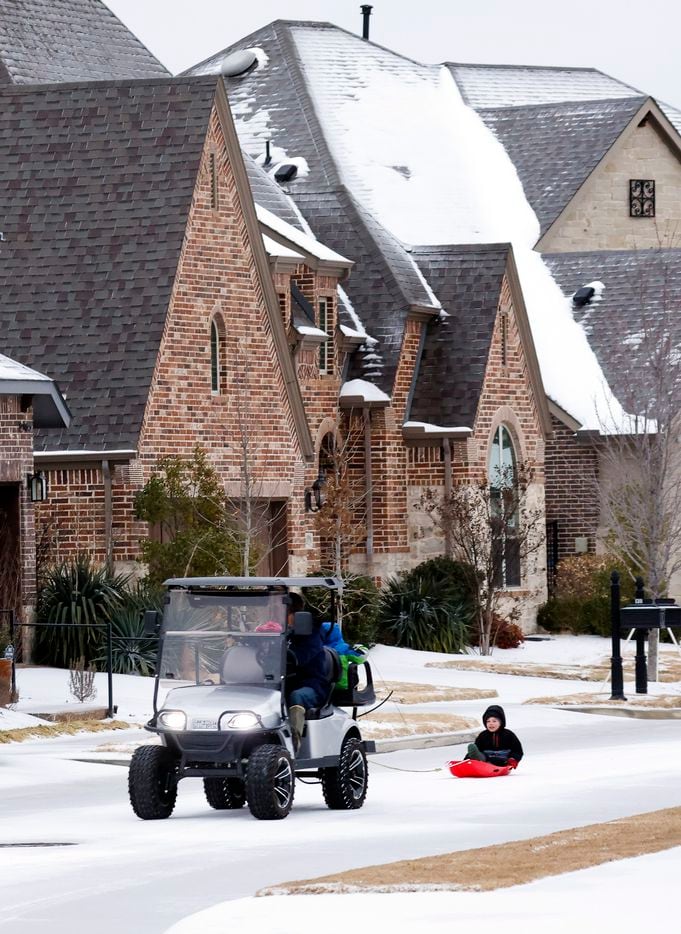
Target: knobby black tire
[(151, 782), (345, 787), (270, 782), (225, 794)]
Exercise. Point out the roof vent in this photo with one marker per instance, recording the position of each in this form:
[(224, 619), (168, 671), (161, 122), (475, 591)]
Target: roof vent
[(238, 63), (286, 172), (366, 13), (583, 296)]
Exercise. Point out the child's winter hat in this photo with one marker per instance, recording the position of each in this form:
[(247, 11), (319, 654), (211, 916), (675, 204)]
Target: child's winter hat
[(495, 711)]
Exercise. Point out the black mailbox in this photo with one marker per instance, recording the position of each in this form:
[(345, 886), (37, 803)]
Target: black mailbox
[(650, 616)]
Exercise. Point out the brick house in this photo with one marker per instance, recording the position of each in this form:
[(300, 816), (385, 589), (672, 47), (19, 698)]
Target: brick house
[(140, 273), (436, 350), (29, 401), (575, 137)]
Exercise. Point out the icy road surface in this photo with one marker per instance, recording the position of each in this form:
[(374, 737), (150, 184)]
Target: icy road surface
[(126, 874)]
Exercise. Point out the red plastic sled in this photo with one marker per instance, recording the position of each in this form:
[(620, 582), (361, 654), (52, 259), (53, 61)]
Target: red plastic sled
[(472, 768)]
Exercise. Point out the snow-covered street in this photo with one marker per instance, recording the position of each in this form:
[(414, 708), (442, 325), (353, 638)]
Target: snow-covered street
[(122, 873)]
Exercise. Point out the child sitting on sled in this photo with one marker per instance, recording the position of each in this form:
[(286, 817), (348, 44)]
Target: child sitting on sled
[(355, 654), (496, 744)]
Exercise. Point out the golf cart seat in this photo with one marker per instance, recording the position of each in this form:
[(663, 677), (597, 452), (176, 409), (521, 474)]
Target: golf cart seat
[(354, 695), (332, 673), (241, 666)]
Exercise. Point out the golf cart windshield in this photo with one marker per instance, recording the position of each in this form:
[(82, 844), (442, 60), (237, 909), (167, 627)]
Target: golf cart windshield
[(221, 638)]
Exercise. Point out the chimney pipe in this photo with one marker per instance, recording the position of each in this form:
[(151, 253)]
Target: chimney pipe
[(268, 156), (366, 13)]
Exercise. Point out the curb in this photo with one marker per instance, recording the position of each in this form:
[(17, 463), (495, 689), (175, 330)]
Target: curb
[(634, 713), (424, 741)]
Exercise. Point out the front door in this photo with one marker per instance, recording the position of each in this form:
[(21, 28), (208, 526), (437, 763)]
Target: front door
[(10, 553)]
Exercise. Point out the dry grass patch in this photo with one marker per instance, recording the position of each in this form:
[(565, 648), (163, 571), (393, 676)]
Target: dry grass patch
[(404, 692), (381, 725), (63, 729), (669, 668), (661, 701), (508, 864)]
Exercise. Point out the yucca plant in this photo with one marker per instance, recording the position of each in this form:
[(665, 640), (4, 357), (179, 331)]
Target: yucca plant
[(76, 591), (132, 652), (428, 608)]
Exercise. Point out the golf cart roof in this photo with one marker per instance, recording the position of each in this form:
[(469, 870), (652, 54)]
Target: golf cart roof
[(247, 583)]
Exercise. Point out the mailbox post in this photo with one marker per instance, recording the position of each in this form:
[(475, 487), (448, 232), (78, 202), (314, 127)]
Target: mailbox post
[(642, 616), (616, 676)]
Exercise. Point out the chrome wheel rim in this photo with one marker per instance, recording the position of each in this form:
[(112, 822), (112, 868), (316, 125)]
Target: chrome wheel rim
[(283, 784), (357, 774)]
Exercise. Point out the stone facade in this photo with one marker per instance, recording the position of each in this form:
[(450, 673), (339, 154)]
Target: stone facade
[(598, 218)]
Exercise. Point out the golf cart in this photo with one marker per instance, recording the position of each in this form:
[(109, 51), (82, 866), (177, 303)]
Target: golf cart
[(223, 651)]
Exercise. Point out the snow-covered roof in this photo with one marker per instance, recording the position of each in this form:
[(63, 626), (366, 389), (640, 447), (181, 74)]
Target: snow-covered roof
[(306, 243), (361, 392), (49, 408), (447, 180), (274, 248), (485, 86), (423, 429)]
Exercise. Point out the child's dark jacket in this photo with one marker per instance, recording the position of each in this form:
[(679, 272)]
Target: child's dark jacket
[(502, 745)]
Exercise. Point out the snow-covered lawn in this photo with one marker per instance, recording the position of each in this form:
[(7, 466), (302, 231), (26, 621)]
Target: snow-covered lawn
[(147, 876)]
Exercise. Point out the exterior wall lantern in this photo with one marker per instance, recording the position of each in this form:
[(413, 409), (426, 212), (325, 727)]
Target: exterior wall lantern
[(314, 495), (36, 483)]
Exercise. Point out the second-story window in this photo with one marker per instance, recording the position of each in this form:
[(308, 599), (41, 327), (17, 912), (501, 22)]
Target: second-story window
[(218, 370)]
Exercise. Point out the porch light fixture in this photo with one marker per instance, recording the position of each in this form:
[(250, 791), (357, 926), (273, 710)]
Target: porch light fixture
[(314, 495), (36, 484)]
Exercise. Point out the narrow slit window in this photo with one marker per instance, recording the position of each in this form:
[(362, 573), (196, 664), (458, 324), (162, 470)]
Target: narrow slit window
[(324, 349), (503, 334), (213, 182), (214, 359)]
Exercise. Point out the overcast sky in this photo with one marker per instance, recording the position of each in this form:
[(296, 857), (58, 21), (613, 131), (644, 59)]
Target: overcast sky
[(638, 43)]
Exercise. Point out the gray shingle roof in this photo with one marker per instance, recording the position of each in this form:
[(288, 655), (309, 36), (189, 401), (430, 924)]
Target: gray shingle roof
[(641, 301), (555, 147), (451, 370), (269, 194), (274, 102), (45, 41), (492, 86), (96, 183)]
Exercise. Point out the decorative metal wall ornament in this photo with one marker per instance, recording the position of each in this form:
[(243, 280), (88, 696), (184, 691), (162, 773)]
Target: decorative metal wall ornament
[(641, 197)]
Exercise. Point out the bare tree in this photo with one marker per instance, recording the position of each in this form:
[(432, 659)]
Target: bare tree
[(259, 518), (82, 680), (639, 483), (496, 532), (341, 522)]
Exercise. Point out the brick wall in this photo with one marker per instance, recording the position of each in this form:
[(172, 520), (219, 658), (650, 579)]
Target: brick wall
[(571, 493), (598, 217), (16, 461), (507, 397)]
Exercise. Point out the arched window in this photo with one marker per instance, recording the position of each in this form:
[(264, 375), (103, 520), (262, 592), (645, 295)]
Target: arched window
[(503, 485), (217, 356)]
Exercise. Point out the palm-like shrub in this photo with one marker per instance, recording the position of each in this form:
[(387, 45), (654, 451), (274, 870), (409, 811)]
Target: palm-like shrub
[(81, 592), (360, 606), (429, 608), (132, 652)]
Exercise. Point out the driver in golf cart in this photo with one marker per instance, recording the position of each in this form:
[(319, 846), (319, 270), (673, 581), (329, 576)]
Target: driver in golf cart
[(307, 683)]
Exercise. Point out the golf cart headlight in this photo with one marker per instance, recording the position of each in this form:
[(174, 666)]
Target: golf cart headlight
[(244, 720), (173, 719)]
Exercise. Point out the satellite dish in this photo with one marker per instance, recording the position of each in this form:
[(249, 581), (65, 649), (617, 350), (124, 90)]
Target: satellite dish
[(238, 63)]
